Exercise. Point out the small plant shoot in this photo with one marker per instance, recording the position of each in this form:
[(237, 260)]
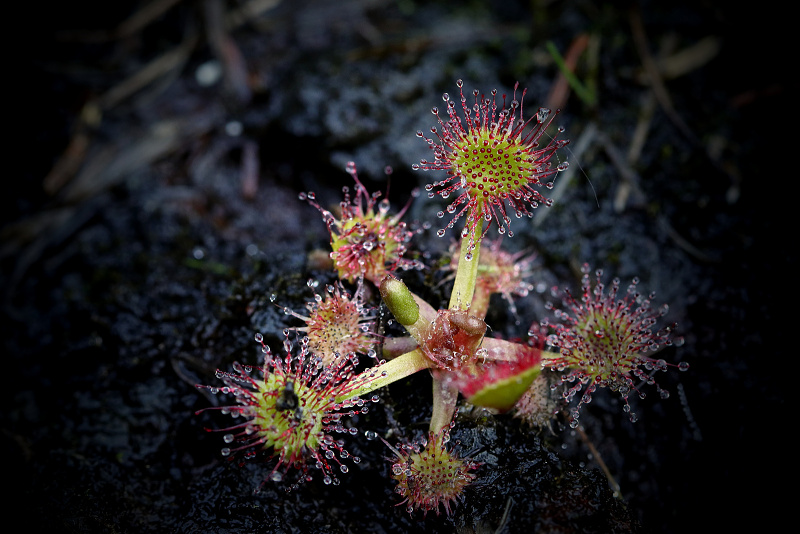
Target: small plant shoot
[(300, 407)]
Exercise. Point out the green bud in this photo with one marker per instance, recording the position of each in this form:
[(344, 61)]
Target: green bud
[(399, 300)]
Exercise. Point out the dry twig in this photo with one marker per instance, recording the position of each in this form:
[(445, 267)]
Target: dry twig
[(655, 79)]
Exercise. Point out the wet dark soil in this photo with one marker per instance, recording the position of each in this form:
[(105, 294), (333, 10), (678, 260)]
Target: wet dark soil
[(153, 211)]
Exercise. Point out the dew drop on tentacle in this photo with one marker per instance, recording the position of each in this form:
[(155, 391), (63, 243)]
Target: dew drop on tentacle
[(542, 115), (574, 423)]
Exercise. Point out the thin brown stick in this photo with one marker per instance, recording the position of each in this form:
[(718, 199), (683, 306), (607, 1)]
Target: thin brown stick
[(677, 64), (654, 77), (249, 169), (143, 17), (150, 72), (226, 51), (600, 462)]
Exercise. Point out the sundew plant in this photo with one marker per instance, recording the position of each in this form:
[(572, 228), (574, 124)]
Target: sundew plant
[(492, 162)]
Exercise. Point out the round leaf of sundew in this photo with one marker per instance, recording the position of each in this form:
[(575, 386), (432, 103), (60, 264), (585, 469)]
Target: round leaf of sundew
[(503, 394)]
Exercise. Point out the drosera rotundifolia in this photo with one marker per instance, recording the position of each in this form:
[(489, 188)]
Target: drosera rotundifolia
[(338, 323), (295, 406), (365, 241), (495, 160), (605, 339), (500, 272), (491, 159), (429, 474)]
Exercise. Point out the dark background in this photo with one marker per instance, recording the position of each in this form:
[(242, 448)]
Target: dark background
[(141, 241)]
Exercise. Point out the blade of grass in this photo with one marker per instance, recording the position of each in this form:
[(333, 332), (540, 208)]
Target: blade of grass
[(586, 95)]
